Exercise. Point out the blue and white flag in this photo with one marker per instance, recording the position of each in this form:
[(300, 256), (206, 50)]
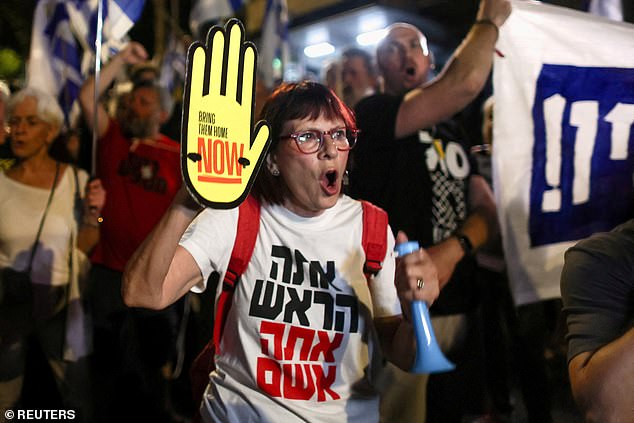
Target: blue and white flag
[(55, 56), (274, 45), (118, 17), (212, 10), (63, 44), (563, 156)]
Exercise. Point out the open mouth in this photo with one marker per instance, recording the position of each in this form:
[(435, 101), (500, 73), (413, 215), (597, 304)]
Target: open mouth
[(329, 182), (331, 177), (410, 71)]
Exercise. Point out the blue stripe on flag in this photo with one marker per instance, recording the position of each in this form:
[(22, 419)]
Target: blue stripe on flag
[(132, 8), (59, 16), (67, 97), (67, 52)]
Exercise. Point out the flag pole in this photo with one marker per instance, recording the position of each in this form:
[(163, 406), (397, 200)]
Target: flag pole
[(95, 126)]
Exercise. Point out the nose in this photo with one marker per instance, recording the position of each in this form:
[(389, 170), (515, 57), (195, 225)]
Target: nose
[(328, 147), (403, 54)]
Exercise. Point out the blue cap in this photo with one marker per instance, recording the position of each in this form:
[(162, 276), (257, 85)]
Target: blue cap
[(406, 248)]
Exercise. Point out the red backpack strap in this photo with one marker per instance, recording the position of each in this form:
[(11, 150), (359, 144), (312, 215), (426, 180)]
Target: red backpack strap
[(374, 238), (246, 234)]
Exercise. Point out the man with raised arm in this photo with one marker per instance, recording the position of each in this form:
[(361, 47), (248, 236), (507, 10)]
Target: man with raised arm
[(413, 161), (140, 168)]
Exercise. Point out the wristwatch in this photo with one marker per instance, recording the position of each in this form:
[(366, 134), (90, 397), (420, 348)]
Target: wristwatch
[(465, 243)]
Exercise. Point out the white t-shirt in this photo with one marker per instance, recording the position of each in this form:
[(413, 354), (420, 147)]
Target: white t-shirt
[(298, 343), (21, 210)]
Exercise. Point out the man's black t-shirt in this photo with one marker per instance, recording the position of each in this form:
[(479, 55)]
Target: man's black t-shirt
[(421, 181)]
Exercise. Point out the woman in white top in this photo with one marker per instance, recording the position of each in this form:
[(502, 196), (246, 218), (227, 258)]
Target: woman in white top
[(70, 224), (306, 333)]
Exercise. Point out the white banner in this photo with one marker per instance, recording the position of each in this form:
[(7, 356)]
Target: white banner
[(563, 161)]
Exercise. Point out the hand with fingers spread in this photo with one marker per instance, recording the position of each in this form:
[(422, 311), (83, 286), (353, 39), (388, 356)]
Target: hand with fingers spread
[(221, 150), (416, 277)]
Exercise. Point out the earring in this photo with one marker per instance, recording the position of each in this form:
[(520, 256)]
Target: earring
[(275, 172)]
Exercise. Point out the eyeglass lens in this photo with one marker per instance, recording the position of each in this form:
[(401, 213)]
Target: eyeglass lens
[(311, 141)]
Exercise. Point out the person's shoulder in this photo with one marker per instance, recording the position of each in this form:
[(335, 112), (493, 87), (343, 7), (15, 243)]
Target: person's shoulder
[(346, 201), (625, 229), (599, 267), (621, 233), (362, 203), (615, 246), (167, 140), (354, 206), (218, 218), (375, 100), (168, 143), (82, 175), (376, 116), (113, 126)]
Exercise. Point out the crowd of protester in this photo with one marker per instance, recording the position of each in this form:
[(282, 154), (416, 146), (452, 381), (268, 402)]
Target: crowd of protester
[(85, 346)]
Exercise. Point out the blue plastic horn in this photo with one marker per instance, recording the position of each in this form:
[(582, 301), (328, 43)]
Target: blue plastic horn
[(429, 357)]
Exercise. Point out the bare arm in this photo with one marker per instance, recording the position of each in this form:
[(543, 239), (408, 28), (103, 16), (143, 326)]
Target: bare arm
[(131, 54), (396, 334), (397, 341), (480, 227), (161, 271), (602, 382), (462, 78)]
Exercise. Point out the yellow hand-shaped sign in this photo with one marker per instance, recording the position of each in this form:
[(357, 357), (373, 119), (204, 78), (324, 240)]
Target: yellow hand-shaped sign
[(221, 152)]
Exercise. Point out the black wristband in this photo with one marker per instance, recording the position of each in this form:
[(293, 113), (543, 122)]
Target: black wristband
[(465, 243)]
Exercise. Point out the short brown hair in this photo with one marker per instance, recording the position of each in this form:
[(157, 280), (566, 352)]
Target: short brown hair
[(291, 101)]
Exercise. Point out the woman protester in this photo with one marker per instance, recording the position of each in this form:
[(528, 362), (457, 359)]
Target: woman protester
[(49, 221), (280, 357)]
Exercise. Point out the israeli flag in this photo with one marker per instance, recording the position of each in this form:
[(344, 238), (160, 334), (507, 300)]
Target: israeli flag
[(63, 44), (118, 17), (55, 57)]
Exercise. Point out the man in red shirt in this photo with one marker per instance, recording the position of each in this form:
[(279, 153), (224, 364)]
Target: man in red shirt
[(140, 168)]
